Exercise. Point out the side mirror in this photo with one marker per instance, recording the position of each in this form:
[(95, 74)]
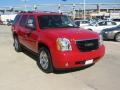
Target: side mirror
[(31, 26)]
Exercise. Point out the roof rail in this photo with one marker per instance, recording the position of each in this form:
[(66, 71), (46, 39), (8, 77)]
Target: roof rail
[(39, 12), (26, 11), (50, 12)]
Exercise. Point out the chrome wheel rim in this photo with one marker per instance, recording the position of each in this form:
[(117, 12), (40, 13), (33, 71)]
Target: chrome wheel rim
[(118, 37), (16, 44), (43, 60)]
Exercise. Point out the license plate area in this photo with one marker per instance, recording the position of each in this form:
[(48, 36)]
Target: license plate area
[(89, 62)]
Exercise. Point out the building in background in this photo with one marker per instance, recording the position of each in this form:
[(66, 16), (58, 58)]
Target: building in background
[(76, 11)]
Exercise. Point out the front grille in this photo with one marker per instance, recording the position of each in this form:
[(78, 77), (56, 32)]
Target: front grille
[(87, 45)]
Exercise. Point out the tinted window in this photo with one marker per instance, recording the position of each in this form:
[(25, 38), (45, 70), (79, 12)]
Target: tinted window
[(23, 20), (102, 24), (109, 23), (55, 21), (31, 20), (118, 20), (16, 19), (113, 23)]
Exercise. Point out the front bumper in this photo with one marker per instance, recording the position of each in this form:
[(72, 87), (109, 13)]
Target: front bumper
[(76, 59)]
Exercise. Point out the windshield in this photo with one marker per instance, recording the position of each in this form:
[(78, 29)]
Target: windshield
[(92, 24), (55, 21)]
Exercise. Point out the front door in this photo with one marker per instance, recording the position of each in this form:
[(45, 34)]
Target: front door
[(22, 30), (31, 34)]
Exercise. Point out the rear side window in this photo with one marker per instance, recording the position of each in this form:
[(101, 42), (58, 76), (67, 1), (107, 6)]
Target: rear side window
[(102, 24), (113, 23), (16, 19), (117, 20), (109, 23), (23, 20)]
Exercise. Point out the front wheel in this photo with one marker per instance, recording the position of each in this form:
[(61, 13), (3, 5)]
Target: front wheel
[(44, 61), (117, 37)]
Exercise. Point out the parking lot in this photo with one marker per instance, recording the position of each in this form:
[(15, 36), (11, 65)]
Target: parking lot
[(19, 71)]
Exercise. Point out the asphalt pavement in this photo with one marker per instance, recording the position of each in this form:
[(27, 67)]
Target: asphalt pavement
[(19, 71)]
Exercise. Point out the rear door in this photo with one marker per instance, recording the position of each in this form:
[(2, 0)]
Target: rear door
[(101, 25), (22, 29)]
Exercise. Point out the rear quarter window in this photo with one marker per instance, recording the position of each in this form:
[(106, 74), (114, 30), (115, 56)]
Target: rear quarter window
[(16, 19), (117, 20), (113, 23), (23, 20), (102, 23)]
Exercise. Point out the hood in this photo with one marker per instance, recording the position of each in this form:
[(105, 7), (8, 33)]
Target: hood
[(71, 33)]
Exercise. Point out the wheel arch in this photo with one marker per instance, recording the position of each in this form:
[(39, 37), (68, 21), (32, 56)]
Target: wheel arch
[(40, 44), (14, 34), (116, 35)]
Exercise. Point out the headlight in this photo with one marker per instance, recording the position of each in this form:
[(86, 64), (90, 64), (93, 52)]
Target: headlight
[(63, 44), (100, 40)]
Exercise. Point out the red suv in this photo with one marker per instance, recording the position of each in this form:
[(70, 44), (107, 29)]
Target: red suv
[(59, 43)]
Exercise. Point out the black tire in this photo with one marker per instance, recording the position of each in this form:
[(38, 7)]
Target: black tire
[(44, 61), (17, 45), (117, 37)]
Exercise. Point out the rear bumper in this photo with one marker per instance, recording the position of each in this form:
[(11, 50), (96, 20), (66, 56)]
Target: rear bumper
[(76, 59)]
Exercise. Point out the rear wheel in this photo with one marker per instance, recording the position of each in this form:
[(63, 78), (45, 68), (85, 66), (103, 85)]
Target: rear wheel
[(117, 37), (17, 45), (44, 62)]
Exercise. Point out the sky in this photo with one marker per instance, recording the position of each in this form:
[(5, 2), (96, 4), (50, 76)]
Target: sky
[(47, 8), (21, 2)]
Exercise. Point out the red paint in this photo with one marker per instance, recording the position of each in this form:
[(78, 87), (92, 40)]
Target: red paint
[(49, 36)]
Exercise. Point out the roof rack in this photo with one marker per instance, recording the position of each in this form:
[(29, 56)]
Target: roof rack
[(39, 12), (26, 12), (50, 12)]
